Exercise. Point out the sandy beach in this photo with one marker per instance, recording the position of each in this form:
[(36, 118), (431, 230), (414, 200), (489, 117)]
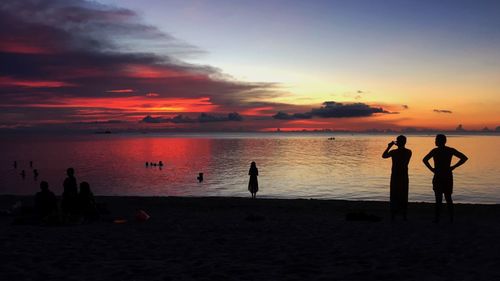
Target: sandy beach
[(263, 239)]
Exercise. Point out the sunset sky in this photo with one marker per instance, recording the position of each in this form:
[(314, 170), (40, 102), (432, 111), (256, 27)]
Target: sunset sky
[(249, 65)]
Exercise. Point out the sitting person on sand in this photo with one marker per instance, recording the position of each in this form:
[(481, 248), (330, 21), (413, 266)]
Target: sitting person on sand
[(45, 202), (86, 202), (399, 176), (253, 184)]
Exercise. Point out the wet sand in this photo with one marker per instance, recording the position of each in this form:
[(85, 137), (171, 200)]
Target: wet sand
[(263, 239)]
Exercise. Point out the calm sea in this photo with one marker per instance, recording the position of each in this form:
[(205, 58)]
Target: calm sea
[(290, 165)]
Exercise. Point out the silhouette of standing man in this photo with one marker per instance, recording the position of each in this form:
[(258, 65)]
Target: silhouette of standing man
[(399, 175), (442, 183), (69, 202)]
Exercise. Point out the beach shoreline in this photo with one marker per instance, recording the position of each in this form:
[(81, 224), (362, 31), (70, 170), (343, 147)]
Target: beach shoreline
[(221, 238)]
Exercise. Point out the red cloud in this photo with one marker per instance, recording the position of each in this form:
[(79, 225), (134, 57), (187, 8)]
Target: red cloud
[(7, 81), (120, 91)]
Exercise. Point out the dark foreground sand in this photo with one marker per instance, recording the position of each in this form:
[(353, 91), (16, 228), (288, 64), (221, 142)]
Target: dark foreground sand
[(264, 239)]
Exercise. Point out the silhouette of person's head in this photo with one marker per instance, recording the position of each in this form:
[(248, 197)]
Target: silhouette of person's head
[(401, 141), (44, 186), (253, 165), (84, 187), (440, 140), (70, 172)]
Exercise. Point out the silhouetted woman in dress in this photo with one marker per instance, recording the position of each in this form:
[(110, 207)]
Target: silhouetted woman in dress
[(253, 184), (399, 175)]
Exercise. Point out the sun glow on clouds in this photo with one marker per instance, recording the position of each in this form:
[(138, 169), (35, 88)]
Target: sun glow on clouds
[(258, 111), (81, 59), (120, 91), (156, 72), (135, 104), (7, 81), (13, 46)]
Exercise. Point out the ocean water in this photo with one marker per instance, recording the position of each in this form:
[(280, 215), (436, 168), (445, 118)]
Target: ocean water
[(290, 165)]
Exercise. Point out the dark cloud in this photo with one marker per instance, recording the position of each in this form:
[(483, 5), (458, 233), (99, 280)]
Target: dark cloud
[(405, 106), (179, 119), (331, 109), (202, 118), (234, 116), (102, 122), (150, 119), (442, 111), (285, 116), (52, 50)]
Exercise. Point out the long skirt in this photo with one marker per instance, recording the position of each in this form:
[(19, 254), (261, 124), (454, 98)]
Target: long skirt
[(399, 193), (253, 184)]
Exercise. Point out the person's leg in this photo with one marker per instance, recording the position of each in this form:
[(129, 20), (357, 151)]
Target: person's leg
[(449, 204), (439, 200)]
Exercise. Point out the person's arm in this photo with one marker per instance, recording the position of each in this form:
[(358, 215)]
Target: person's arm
[(462, 159), (386, 153), (426, 160), (409, 157)]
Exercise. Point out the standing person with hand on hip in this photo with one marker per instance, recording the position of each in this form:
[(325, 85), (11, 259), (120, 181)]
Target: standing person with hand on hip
[(442, 182)]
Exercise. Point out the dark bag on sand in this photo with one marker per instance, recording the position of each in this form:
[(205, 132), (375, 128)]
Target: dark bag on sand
[(362, 216)]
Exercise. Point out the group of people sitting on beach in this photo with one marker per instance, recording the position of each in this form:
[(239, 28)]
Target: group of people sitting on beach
[(442, 181), (76, 205), (80, 205)]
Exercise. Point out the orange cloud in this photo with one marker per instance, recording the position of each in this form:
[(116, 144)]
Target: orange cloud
[(257, 110), (134, 104)]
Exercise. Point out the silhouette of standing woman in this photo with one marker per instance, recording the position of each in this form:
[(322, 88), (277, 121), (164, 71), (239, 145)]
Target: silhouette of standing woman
[(442, 182), (253, 184), (399, 176)]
